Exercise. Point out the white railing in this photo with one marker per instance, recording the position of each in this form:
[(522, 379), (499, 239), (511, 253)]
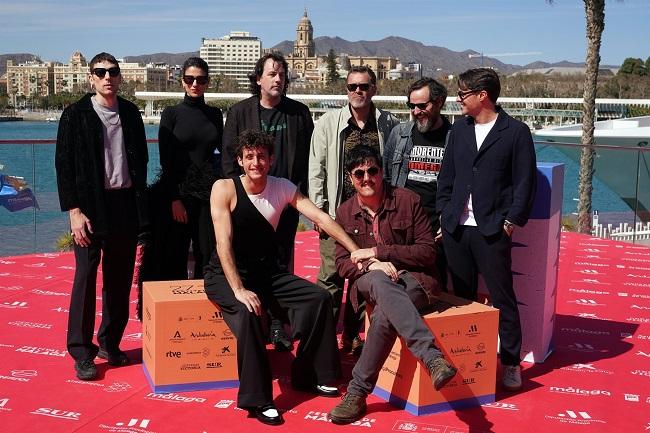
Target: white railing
[(623, 232)]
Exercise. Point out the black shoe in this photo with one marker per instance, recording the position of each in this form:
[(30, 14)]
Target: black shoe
[(281, 341), (118, 359), (258, 413), (86, 369), (441, 372), (322, 390)]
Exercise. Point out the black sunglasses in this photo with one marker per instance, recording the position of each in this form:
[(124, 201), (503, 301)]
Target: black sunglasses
[(352, 87), (462, 94), (101, 72), (421, 105), (359, 174), (200, 79)]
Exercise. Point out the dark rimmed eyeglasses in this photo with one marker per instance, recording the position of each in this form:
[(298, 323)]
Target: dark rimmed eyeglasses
[(359, 174), (462, 94), (112, 72), (421, 105), (200, 79), (352, 87)]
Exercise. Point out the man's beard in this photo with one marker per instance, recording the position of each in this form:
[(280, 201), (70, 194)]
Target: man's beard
[(424, 125)]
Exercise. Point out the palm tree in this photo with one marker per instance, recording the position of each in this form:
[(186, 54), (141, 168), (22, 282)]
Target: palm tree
[(595, 20)]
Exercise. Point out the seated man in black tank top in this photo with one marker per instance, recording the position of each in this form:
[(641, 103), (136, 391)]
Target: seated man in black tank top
[(246, 276)]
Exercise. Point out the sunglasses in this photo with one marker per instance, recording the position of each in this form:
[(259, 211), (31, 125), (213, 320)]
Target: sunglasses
[(200, 79), (421, 105), (352, 87), (359, 174), (462, 94), (101, 72)]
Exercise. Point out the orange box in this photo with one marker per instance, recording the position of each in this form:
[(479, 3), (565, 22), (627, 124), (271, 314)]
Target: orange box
[(466, 332), (186, 345)]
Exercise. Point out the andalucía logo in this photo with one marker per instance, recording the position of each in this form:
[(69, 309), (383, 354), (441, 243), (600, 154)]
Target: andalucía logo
[(459, 350), (573, 417), (187, 290)]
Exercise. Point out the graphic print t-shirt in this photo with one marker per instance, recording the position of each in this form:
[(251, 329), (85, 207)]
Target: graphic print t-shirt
[(274, 123)]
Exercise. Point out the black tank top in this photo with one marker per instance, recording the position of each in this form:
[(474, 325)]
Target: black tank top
[(254, 241)]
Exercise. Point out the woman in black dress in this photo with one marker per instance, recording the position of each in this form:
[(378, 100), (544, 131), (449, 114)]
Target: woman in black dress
[(189, 142)]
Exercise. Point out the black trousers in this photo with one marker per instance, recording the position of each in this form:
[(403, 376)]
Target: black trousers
[(468, 253), (116, 251), (199, 231), (309, 309)]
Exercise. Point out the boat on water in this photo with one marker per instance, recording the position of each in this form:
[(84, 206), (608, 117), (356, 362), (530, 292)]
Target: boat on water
[(622, 160), (51, 119)]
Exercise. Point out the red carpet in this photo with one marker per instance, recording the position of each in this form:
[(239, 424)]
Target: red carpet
[(597, 380)]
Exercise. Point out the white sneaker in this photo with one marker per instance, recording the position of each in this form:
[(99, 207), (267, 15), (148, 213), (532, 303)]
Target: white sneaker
[(511, 377)]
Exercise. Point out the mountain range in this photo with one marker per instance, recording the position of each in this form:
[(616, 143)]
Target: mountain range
[(435, 60)]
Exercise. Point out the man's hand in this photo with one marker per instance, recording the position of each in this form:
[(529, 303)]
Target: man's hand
[(438, 237), (386, 267), (250, 300), (178, 212), (362, 254), (80, 227)]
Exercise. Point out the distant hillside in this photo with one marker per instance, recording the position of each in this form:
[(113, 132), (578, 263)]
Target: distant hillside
[(17, 58), (169, 58), (563, 64), (432, 58)]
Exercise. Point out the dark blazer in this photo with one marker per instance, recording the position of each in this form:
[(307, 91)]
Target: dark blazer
[(79, 160), (501, 176), (245, 115)]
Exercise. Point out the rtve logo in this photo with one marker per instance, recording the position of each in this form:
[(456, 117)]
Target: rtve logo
[(173, 354)]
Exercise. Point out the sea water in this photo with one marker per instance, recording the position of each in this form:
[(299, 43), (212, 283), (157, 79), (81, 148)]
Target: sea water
[(32, 230)]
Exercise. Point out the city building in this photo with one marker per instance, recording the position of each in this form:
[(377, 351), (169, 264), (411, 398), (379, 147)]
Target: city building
[(153, 76), (233, 55), (29, 79), (381, 65), (303, 62), (72, 77), (411, 71)]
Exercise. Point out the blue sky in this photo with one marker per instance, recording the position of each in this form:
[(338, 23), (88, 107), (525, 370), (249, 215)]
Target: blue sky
[(55, 29)]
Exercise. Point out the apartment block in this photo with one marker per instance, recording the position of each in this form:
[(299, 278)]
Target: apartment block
[(233, 55)]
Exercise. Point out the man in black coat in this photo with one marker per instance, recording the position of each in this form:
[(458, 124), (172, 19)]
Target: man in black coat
[(101, 167), (291, 125), (486, 187)]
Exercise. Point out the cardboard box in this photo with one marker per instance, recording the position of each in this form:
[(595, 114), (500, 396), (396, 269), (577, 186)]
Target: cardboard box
[(466, 332), (186, 345)]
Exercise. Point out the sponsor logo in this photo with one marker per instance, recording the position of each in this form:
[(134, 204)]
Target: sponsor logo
[(391, 372), (136, 336), (147, 313), (591, 316), (586, 368), (637, 320), (578, 391), (189, 289), (3, 405), (480, 349), (190, 366), (24, 373), (469, 380), (322, 416), (213, 365), (450, 333), (30, 324), (505, 406), (639, 307), (585, 331), (225, 349), (645, 373), (224, 404), (595, 265), (585, 302), (41, 351), (11, 288), (134, 425), (57, 413), (174, 398), (590, 281), (61, 310), (586, 348), (203, 335), (589, 292), (177, 337), (573, 417), (117, 387), (459, 350), (173, 354), (589, 272), (641, 353), (14, 304), (632, 397), (189, 318), (636, 284), (48, 293)]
